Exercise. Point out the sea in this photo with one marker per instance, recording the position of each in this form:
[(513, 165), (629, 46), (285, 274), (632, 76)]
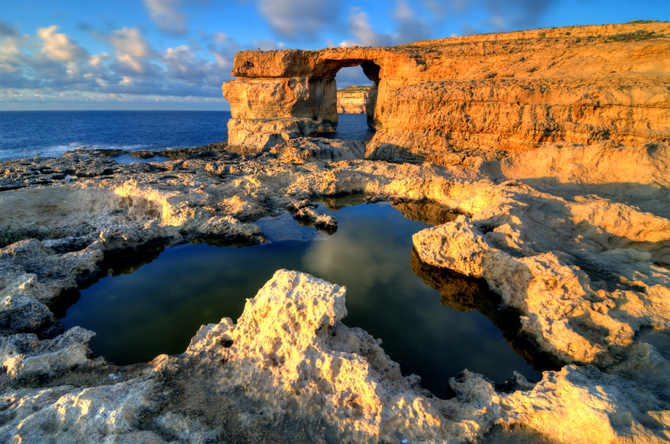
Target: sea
[(52, 133)]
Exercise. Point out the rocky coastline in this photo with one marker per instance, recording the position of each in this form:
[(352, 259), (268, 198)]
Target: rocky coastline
[(574, 236)]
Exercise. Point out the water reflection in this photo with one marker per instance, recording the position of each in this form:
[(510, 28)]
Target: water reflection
[(465, 294), (160, 305)]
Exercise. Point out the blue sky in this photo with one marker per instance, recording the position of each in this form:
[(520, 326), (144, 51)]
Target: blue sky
[(174, 54)]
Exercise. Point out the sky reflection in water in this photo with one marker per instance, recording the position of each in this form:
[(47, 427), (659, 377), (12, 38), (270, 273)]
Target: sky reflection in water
[(159, 306)]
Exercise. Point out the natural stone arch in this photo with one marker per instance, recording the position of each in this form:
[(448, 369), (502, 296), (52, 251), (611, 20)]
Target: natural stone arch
[(281, 95), (447, 101)]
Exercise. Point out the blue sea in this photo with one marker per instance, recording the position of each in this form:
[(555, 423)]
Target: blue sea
[(52, 133)]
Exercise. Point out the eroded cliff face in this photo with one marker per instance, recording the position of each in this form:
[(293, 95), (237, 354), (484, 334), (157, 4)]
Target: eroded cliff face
[(478, 96), (353, 100)]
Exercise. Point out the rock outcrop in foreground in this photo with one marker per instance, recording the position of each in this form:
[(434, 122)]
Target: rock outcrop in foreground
[(484, 96), (574, 237), (353, 100)]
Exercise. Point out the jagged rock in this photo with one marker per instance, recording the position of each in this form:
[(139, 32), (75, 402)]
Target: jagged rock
[(24, 356), (290, 368), (299, 150), (305, 213), (475, 96), (573, 241)]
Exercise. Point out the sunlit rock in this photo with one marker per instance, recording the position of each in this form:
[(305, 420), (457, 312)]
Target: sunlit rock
[(353, 100), (487, 96)]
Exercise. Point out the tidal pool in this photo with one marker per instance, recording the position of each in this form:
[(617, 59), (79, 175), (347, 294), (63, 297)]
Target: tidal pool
[(434, 322)]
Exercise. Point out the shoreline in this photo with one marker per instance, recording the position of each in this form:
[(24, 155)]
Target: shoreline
[(139, 204), (551, 148)]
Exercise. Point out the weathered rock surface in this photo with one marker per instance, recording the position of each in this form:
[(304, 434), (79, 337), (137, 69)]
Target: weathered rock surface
[(478, 96), (574, 238), (353, 100)]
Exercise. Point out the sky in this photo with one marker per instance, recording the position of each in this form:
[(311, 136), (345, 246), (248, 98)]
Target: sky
[(175, 54)]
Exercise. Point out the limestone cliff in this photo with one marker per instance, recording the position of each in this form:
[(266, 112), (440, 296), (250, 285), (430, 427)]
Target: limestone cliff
[(485, 95), (353, 100)]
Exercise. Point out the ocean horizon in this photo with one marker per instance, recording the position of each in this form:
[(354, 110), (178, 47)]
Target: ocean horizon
[(53, 133), (25, 134)]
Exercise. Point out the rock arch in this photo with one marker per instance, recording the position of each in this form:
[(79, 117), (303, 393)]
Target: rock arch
[(281, 95), (486, 96)]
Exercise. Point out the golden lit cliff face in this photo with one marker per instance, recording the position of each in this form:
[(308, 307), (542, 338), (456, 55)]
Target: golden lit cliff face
[(491, 94), (353, 100)]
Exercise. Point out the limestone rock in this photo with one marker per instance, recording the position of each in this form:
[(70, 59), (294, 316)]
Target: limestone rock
[(485, 96), (353, 100), (573, 237), (24, 356), (299, 150), (306, 214)]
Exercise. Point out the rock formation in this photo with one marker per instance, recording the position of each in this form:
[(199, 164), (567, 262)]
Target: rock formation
[(562, 234), (353, 100), (478, 96)]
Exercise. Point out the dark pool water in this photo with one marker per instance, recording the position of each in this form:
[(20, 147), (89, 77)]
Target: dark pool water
[(435, 322)]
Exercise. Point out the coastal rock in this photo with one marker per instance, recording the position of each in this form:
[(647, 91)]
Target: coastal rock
[(247, 136), (299, 150), (484, 96), (574, 245), (289, 367), (353, 100), (306, 214), (24, 356)]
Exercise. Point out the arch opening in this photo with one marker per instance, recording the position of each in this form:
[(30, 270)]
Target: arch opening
[(324, 90)]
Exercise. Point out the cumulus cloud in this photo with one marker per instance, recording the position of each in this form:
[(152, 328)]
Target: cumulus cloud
[(365, 35), (59, 47), (410, 27), (517, 14), (129, 41), (299, 19), (165, 15), (266, 44), (52, 63)]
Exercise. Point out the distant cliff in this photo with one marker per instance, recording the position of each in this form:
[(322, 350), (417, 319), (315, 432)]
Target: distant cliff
[(353, 99)]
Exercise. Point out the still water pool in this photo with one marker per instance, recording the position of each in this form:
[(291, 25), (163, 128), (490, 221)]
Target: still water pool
[(434, 322)]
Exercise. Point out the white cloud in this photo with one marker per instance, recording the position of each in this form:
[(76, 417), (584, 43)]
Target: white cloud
[(220, 37), (266, 44), (59, 47), (132, 51), (410, 27), (299, 19), (500, 16), (58, 65), (129, 41), (164, 14), (184, 64)]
